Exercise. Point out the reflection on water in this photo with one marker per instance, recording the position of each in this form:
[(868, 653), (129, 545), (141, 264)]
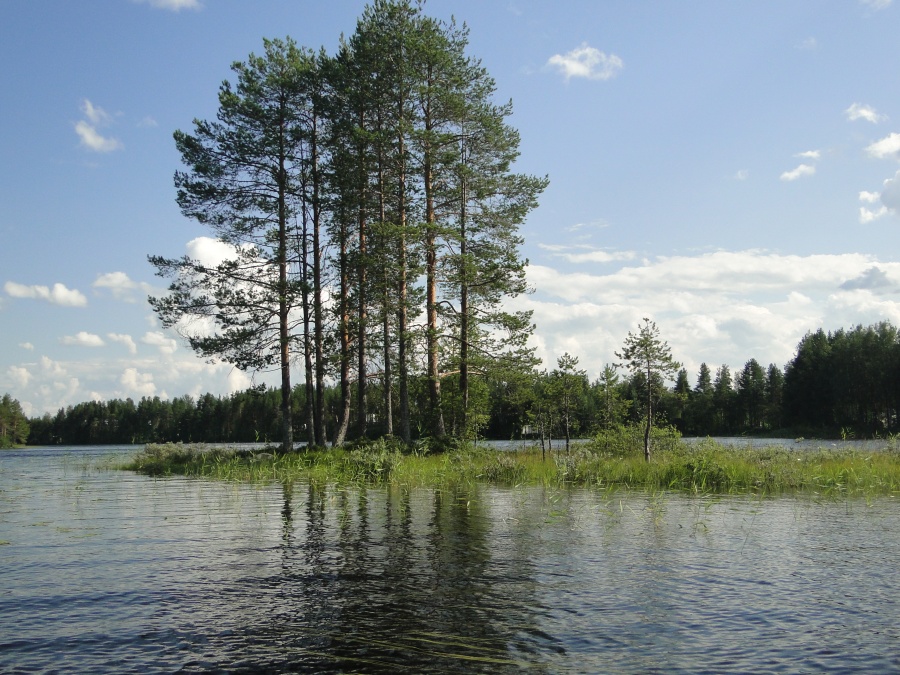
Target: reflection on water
[(111, 572)]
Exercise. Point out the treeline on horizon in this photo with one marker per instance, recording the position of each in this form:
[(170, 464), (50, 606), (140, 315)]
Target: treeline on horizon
[(845, 382)]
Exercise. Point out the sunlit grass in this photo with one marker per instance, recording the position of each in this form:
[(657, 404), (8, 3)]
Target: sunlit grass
[(702, 468)]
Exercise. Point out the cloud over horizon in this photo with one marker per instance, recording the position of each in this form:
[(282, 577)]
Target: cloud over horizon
[(717, 307)]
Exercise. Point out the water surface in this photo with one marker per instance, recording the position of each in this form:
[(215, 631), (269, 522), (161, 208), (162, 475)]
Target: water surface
[(106, 571)]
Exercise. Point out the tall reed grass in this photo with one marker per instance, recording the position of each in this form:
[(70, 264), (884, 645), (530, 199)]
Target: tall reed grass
[(609, 461)]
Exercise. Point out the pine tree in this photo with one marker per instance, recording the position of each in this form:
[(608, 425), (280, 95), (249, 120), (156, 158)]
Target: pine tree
[(645, 353)]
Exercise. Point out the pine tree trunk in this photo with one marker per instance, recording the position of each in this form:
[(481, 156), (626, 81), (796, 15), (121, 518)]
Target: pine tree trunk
[(318, 320), (340, 432), (287, 427), (434, 377), (362, 283), (649, 416), (402, 310)]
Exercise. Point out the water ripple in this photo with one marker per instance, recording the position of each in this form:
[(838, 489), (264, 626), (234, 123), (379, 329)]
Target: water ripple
[(111, 572)]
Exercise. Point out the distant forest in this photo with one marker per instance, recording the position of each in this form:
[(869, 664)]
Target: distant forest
[(845, 382)]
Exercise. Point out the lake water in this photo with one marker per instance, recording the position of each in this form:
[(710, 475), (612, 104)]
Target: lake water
[(107, 571)]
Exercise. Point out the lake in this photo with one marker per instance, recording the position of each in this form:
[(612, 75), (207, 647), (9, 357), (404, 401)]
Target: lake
[(108, 571)]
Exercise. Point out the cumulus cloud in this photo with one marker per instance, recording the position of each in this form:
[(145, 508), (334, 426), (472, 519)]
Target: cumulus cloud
[(742, 174), (20, 375), (810, 154), (858, 111), (587, 62), (27, 345), (718, 307), (121, 286), (58, 295), (83, 339), (866, 215), (138, 383), (160, 341), (889, 198), (238, 380), (125, 340), (87, 129), (799, 172), (52, 368), (173, 5), (209, 251), (869, 197), (873, 278), (887, 148)]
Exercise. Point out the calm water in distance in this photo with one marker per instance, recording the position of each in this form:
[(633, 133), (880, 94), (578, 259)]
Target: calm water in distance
[(107, 571)]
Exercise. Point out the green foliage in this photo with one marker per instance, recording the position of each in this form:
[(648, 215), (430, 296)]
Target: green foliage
[(14, 426), (848, 378), (608, 462), (646, 354)]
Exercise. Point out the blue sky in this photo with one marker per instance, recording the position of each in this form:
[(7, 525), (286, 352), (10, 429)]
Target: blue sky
[(729, 169)]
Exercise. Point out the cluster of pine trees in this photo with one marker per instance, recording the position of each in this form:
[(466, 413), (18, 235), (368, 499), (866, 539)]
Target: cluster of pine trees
[(373, 215), (14, 427)]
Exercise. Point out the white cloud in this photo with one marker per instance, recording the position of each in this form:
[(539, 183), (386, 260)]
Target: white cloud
[(866, 216), (238, 380), (58, 295), (20, 375), (83, 339), (808, 44), (869, 197), (889, 198), (52, 368), (592, 225), (27, 345), (125, 340), (887, 147), (160, 341), (209, 251), (173, 5), (743, 174), (802, 170), (93, 140), (121, 286), (582, 254), (719, 307), (858, 111), (587, 62), (138, 383), (877, 5), (87, 131), (809, 154), (95, 114), (148, 123)]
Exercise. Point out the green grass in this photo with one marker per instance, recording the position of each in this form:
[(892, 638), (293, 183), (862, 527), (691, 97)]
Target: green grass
[(704, 468)]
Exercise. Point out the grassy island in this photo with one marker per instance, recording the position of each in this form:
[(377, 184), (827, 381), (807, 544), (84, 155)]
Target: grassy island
[(614, 461)]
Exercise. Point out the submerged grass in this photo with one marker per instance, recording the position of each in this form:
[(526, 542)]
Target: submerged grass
[(701, 468)]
